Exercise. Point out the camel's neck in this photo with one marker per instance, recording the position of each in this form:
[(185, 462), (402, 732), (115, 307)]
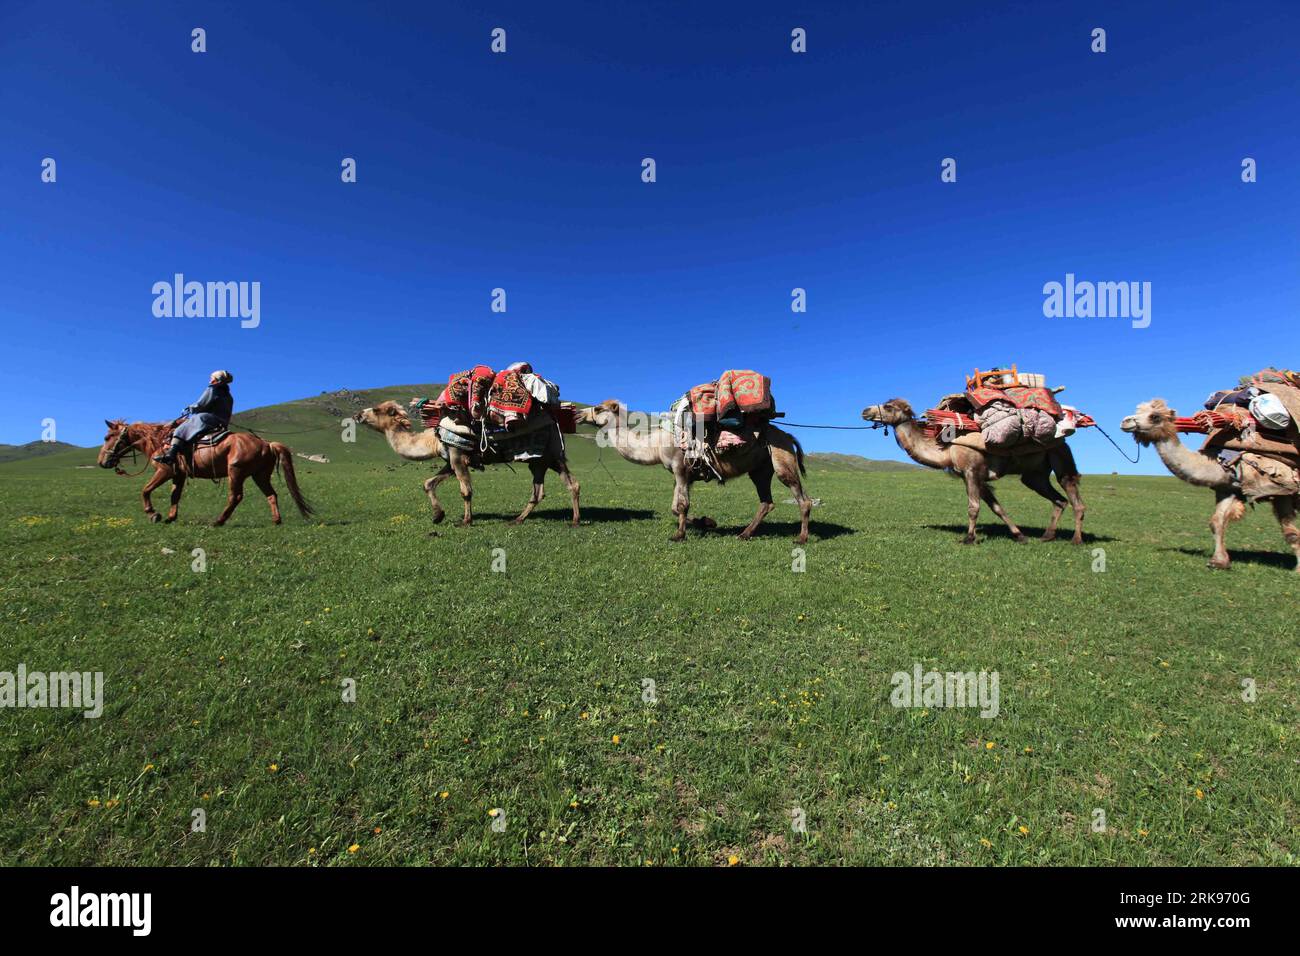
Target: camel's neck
[(636, 447), (1192, 467), (920, 447), (418, 446)]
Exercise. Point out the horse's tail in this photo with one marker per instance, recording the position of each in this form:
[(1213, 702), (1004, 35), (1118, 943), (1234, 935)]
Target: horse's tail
[(285, 457)]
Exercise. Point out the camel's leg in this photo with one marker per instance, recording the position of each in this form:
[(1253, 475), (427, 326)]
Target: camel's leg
[(974, 495), (431, 489), (681, 503), (178, 488), (1285, 509), (1040, 482), (987, 494), (1070, 485), (538, 469), (236, 496), (263, 482), (562, 467), (1230, 508), (786, 466), (461, 467), (761, 476)]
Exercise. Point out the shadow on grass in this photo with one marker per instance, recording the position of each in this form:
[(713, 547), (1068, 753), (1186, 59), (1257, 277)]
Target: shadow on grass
[(823, 530), (589, 514), (1063, 534), (1276, 559)]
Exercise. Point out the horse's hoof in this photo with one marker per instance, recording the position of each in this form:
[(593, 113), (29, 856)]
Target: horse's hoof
[(1219, 566), (155, 517), (678, 537), (437, 519), (1021, 539), (1077, 539), (1048, 537), (801, 539), (969, 539), (743, 536)]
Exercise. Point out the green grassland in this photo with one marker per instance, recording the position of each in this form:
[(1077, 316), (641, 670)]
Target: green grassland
[(1121, 690)]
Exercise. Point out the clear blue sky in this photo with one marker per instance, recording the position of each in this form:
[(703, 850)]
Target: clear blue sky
[(522, 170)]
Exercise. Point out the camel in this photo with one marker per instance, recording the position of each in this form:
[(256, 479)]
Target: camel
[(978, 468), (1154, 423), (773, 452), (390, 419)]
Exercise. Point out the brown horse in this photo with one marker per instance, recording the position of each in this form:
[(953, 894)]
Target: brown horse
[(238, 456)]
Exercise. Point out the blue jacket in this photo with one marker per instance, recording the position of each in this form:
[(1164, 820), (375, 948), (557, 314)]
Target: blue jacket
[(210, 413), (215, 401)]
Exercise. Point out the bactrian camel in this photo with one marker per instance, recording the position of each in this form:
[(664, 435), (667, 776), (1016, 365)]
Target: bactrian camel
[(978, 468), (772, 452), (1154, 423), (391, 420)]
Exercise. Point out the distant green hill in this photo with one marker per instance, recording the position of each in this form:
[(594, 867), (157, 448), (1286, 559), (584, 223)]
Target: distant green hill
[(33, 449), (835, 460), (314, 426)]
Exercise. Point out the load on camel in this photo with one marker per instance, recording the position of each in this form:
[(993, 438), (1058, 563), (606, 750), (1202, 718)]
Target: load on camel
[(1251, 451), (719, 430), (1006, 422), (484, 418)]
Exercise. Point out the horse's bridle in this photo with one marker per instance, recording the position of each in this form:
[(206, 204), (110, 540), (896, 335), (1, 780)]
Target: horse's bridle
[(119, 452)]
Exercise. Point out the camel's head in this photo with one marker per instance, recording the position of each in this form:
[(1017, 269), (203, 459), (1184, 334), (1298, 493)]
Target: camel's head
[(601, 415), (384, 417), (117, 442), (893, 412), (1152, 422)]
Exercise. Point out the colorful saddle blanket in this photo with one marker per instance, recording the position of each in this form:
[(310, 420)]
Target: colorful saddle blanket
[(510, 398), (737, 392), (1020, 396), (465, 392)]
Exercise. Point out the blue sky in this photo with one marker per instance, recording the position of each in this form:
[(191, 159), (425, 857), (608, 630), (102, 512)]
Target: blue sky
[(523, 171)]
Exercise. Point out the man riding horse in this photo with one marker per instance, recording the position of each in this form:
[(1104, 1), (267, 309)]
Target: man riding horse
[(211, 413)]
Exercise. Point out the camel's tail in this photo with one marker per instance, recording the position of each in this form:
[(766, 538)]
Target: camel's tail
[(798, 454), (285, 459)]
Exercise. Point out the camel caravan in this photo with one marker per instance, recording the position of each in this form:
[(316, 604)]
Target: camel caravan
[(1251, 451), (1006, 422)]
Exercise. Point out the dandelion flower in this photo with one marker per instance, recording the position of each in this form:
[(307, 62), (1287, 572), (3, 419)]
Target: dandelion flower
[(615, 739), (986, 843), (354, 847), (733, 860)]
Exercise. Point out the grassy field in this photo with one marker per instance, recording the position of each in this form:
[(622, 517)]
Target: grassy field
[(1121, 690)]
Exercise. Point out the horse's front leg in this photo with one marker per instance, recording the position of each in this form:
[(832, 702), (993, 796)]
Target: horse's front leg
[(178, 486), (157, 479)]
